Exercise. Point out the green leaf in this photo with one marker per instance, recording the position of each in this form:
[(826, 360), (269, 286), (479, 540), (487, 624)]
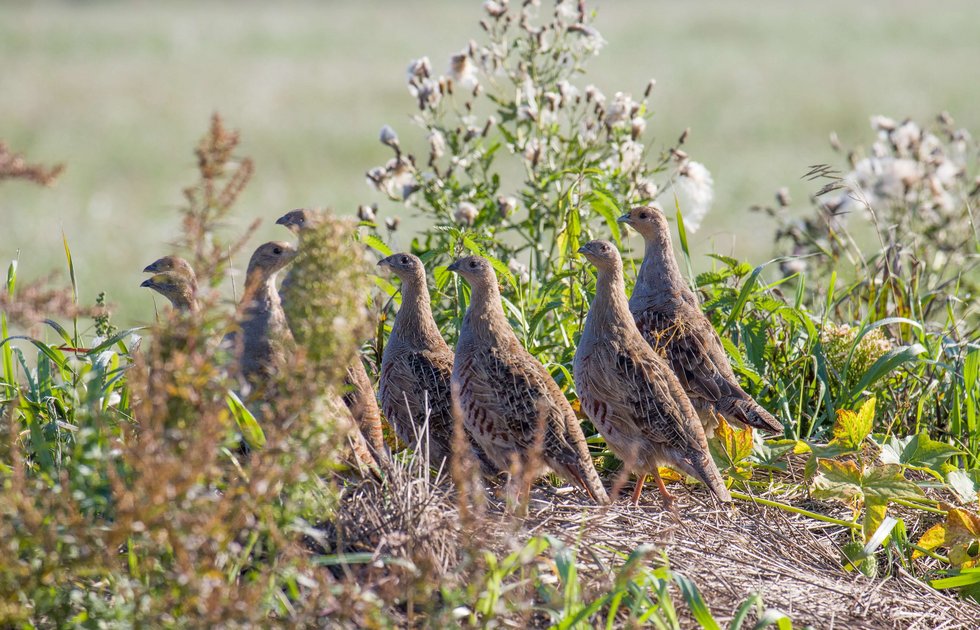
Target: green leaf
[(699, 609), (851, 428), (247, 424), (885, 365), (605, 205), (918, 451), (376, 244), (846, 482)]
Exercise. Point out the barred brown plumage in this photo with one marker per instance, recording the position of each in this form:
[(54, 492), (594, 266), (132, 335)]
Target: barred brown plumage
[(668, 316), (416, 368), (630, 392), (510, 403)]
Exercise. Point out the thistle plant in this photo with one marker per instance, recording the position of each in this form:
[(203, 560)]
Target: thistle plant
[(915, 189), (523, 162)]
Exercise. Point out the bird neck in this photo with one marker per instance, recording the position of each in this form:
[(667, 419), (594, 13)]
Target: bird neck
[(485, 319), (185, 302), (659, 279), (610, 307), (260, 293), (414, 321)]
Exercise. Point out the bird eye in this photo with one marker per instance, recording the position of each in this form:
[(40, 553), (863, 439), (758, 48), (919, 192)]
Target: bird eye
[(644, 215), (404, 260), (472, 264), (277, 250), (302, 220)]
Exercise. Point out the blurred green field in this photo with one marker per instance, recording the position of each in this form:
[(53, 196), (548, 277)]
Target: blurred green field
[(122, 91)]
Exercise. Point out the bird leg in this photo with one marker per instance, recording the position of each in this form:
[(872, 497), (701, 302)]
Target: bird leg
[(640, 478), (667, 497)]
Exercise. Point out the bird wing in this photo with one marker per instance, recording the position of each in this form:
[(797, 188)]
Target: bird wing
[(501, 393), (691, 344), (421, 378)]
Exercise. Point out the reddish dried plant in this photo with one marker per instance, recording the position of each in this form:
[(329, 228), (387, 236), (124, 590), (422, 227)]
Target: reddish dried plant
[(14, 166), (222, 177)]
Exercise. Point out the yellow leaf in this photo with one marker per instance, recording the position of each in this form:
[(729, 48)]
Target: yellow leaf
[(934, 537), (960, 534), (668, 474), (736, 442), (851, 428)]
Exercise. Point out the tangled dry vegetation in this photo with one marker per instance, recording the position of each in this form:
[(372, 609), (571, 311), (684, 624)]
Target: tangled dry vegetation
[(137, 488)]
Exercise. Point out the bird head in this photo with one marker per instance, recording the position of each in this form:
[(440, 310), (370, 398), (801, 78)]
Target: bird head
[(602, 254), (269, 258), (649, 221), (476, 270), (170, 264), (175, 287), (403, 265), (297, 220)]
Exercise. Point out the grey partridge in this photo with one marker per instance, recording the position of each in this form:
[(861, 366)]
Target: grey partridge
[(174, 279), (509, 402), (630, 392), (358, 389), (416, 368), (668, 315), (265, 336)]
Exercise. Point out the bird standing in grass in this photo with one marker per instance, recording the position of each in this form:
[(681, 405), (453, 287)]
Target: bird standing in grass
[(670, 319), (509, 402), (629, 391), (416, 369), (174, 279), (358, 389), (265, 336)]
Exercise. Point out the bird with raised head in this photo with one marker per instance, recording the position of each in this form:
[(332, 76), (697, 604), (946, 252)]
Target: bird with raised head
[(416, 369), (265, 336), (174, 279), (630, 392), (510, 404), (358, 389), (668, 315)]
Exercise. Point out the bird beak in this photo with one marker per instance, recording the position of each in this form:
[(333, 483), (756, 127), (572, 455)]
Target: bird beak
[(625, 219), (453, 267), (583, 249), (282, 220), (384, 262), (148, 283), (151, 268)]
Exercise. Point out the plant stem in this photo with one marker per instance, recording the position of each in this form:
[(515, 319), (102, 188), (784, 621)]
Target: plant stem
[(796, 510)]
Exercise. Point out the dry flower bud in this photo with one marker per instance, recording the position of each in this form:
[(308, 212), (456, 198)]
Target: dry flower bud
[(466, 213), (437, 144), (495, 8), (650, 85), (782, 197), (637, 126), (366, 213), (835, 141), (392, 223), (684, 136), (419, 68), (506, 205), (388, 137)]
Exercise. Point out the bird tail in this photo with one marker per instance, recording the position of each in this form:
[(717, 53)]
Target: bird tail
[(751, 414), (585, 474), (700, 466)]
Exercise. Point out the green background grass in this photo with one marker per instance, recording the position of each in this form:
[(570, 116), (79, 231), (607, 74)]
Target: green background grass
[(122, 91)]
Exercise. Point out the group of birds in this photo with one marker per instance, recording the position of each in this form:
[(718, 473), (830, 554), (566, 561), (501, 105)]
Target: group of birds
[(650, 371)]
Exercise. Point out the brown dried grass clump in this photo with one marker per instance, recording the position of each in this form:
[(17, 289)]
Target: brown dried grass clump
[(15, 166), (37, 301)]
